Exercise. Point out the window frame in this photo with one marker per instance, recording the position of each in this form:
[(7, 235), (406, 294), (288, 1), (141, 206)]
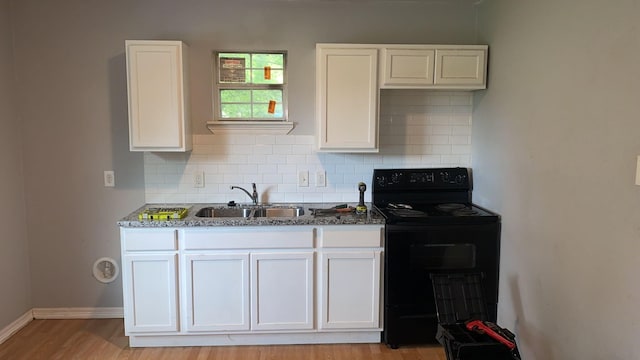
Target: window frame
[(217, 87)]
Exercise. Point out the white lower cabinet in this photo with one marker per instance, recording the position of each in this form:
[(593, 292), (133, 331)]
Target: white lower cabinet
[(217, 292), (150, 284), (350, 277), (282, 291), (252, 285), (149, 280), (350, 289)]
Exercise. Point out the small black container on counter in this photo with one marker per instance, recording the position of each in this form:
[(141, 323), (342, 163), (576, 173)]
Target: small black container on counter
[(459, 298)]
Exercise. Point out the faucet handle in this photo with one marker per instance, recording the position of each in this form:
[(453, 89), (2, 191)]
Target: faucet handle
[(255, 194)]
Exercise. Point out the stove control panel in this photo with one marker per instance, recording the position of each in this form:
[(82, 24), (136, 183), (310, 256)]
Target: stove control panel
[(417, 179)]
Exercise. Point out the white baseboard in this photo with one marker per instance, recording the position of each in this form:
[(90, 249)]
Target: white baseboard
[(78, 313), (18, 324)]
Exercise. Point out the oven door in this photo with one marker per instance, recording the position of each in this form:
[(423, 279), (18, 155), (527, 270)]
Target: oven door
[(413, 252)]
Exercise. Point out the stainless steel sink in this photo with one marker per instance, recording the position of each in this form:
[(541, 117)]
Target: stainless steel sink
[(284, 211), (251, 212), (223, 212)]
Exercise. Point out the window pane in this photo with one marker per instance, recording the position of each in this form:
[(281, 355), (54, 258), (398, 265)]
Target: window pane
[(275, 61), (260, 76), (235, 96), (236, 111), (264, 96), (262, 111), (234, 68)]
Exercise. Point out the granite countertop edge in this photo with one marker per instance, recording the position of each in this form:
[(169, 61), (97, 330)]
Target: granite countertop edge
[(191, 220)]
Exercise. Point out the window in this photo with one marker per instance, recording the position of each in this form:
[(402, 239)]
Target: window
[(250, 86), (250, 92)]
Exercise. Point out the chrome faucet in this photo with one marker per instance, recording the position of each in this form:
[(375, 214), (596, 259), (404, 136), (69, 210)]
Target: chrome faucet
[(254, 196)]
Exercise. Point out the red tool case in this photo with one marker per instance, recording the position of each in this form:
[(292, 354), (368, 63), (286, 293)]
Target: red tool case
[(460, 301)]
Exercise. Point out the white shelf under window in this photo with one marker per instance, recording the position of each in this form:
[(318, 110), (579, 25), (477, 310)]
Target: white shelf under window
[(250, 127)]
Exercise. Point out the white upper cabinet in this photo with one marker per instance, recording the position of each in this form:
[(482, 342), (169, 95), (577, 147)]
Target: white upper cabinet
[(347, 98), (349, 78), (158, 96), (407, 66), (461, 67)]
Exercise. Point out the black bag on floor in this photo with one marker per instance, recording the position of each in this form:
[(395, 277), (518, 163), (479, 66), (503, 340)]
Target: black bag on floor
[(463, 328)]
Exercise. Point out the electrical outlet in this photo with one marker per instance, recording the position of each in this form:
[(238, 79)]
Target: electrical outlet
[(321, 178), (109, 178), (303, 178), (198, 179)]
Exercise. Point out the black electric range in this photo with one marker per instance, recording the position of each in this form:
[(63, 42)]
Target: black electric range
[(432, 226)]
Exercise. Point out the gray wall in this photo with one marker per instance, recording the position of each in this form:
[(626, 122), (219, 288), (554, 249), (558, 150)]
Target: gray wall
[(14, 262), (71, 90), (555, 140)]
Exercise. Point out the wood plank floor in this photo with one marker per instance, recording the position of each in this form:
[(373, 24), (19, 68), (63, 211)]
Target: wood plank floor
[(104, 339)]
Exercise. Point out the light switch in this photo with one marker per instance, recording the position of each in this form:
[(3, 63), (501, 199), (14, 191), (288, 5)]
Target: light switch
[(303, 178), (198, 179), (109, 178), (321, 178)]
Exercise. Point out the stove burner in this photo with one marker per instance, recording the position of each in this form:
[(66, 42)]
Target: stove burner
[(450, 207), (407, 213), (398, 206), (464, 212), (457, 209)]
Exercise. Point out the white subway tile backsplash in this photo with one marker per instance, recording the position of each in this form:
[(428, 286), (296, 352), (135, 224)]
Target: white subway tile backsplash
[(460, 149), (439, 100), (438, 139), (417, 129), (466, 99), (282, 149), (441, 149), (461, 130), (460, 140), (439, 119), (441, 130)]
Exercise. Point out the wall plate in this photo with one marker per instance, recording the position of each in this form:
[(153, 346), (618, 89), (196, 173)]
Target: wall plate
[(105, 270)]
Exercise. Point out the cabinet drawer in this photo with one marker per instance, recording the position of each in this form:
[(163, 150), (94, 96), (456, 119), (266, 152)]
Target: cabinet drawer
[(343, 236), (248, 238), (149, 239)]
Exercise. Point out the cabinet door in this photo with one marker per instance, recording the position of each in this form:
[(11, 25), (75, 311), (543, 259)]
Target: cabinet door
[(158, 116), (350, 289), (282, 291), (347, 99), (150, 293), (217, 291), (461, 67), (408, 67)]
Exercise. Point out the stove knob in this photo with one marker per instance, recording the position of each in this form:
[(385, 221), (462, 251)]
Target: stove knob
[(381, 180), (430, 177), (459, 179), (445, 176)]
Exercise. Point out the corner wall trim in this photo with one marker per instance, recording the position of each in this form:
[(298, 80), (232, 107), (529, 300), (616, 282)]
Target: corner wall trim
[(15, 326), (78, 313)]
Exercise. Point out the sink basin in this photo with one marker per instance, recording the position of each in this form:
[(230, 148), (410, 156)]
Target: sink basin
[(283, 211), (251, 212), (223, 212)]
